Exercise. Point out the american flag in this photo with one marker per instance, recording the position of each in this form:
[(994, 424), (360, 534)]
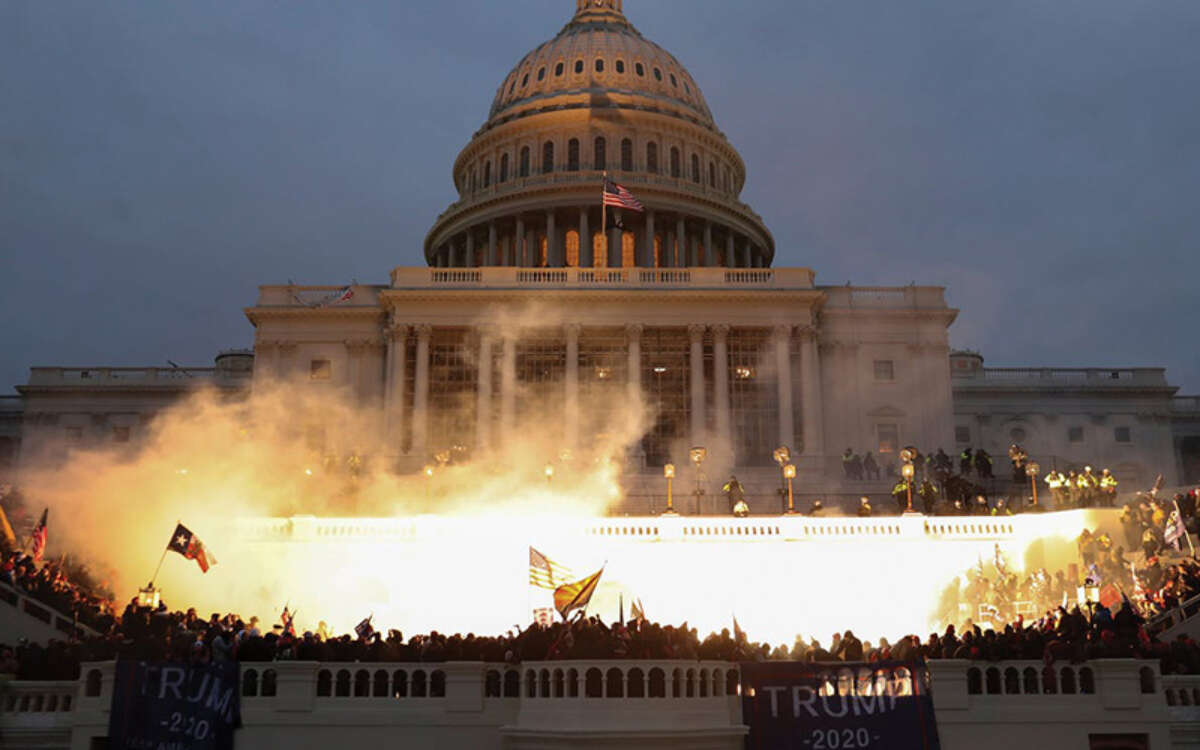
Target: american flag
[(545, 573), (619, 197)]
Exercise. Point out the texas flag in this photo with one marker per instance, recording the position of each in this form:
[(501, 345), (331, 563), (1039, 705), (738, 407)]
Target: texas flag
[(189, 545)]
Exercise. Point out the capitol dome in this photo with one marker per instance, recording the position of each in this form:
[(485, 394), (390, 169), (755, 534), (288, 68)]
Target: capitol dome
[(600, 55), (597, 99)]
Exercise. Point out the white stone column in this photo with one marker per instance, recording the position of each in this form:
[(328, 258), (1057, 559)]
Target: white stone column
[(696, 363), (783, 368), (420, 425), (811, 412), (519, 244), (681, 259), (647, 259), (633, 376), (586, 259), (508, 387), (483, 404), (355, 349), (397, 343), (572, 385), (721, 381)]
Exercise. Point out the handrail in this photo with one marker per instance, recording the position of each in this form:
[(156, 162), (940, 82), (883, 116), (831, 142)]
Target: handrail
[(43, 612)]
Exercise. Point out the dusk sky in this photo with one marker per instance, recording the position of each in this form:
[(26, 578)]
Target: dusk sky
[(160, 160)]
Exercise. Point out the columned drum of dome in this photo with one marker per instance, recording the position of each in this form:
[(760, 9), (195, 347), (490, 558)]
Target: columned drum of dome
[(599, 97)]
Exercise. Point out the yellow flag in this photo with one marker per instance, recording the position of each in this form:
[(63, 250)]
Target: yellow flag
[(576, 595), (6, 529)]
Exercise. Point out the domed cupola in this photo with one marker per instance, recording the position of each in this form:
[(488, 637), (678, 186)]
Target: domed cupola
[(597, 99)]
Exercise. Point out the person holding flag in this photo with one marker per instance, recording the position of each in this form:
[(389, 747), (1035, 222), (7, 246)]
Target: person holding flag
[(189, 545)]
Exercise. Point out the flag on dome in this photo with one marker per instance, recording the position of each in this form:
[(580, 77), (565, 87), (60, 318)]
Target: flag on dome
[(576, 595), (545, 573), (189, 545), (39, 536), (619, 197)]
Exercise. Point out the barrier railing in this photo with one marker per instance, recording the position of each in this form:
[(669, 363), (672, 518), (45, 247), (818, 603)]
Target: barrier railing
[(22, 602)]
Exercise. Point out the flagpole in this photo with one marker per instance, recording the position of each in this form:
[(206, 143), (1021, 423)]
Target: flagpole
[(604, 217), (166, 549)]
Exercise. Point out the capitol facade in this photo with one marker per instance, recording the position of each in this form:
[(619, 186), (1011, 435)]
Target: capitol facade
[(537, 301)]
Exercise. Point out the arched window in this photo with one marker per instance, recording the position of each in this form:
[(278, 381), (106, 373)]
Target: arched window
[(658, 683), (652, 158), (379, 686), (578, 66), (362, 684), (620, 66), (542, 73), (600, 154), (637, 683), (558, 70), (627, 155), (270, 683), (487, 175), (250, 683), (615, 687), (712, 175), (599, 65), (524, 80), (695, 169), (573, 155), (657, 74), (342, 686), (992, 678), (728, 181), (547, 157), (512, 684), (675, 162), (1030, 679), (524, 166), (504, 168), (673, 81), (491, 684), (637, 68), (593, 684)]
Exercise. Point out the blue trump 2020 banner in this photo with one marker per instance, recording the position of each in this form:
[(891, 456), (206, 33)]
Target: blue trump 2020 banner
[(168, 706), (797, 706)]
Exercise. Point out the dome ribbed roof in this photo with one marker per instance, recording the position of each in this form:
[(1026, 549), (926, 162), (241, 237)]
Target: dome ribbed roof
[(599, 60)]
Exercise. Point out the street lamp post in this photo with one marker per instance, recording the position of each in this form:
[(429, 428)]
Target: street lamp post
[(789, 472), (669, 474), (908, 471), (1032, 469), (782, 456), (697, 456)]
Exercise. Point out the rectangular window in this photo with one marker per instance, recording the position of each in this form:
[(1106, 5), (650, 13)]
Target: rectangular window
[(120, 434), (962, 434), (1075, 434), (889, 438), (1123, 435), (1118, 742), (320, 369), (885, 369)]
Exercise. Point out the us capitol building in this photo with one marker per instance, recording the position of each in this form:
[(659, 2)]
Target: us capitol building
[(529, 302)]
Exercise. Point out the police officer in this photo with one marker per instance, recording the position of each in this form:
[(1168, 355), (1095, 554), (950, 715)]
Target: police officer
[(965, 462), (929, 493), (900, 495), (734, 493), (1108, 489), (864, 507), (983, 464)]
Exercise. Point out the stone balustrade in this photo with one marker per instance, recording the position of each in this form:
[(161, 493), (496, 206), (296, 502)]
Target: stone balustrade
[(696, 528), (117, 376), (516, 704)]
